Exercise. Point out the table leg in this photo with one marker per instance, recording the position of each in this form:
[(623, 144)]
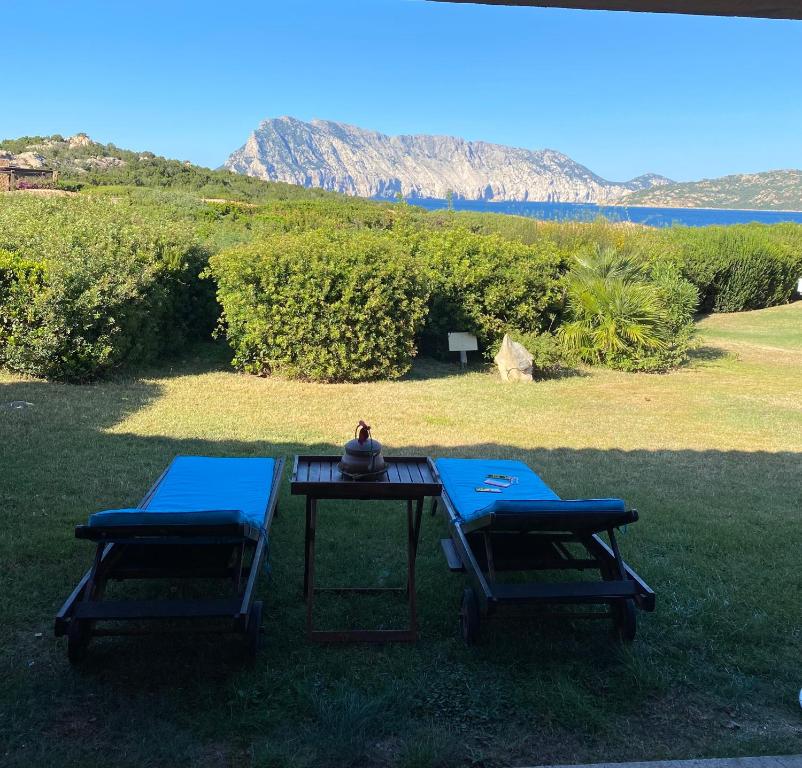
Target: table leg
[(414, 517), (310, 565), (418, 516), (307, 538), (412, 545)]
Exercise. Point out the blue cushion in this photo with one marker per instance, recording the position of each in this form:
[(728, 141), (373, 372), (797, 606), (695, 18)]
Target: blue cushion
[(201, 490), (461, 477), (557, 506), (138, 516)]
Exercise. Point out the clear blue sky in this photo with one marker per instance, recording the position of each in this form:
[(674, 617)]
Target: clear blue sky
[(621, 93)]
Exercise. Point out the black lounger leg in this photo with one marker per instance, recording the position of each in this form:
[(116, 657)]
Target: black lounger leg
[(622, 574), (79, 632), (491, 564), (624, 621)]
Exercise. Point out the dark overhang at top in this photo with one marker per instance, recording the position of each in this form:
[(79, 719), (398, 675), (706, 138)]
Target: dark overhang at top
[(764, 9)]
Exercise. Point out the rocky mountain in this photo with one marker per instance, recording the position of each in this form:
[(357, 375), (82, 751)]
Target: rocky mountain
[(773, 190), (345, 158)]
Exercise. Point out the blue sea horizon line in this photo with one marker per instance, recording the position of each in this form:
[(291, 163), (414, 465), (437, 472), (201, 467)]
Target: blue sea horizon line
[(644, 215)]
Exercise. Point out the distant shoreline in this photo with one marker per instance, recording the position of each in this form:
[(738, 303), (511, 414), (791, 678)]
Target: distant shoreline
[(686, 208), (644, 215), (624, 205), (414, 201)]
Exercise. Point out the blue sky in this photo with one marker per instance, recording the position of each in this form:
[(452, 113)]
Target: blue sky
[(624, 94)]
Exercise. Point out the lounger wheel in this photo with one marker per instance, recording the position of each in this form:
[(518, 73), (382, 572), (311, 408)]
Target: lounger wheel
[(624, 620), (469, 618), (254, 630), (79, 634)]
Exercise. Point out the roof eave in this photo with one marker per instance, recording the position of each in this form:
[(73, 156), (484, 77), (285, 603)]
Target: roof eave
[(764, 9)]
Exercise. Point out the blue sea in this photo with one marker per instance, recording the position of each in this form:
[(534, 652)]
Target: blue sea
[(653, 217)]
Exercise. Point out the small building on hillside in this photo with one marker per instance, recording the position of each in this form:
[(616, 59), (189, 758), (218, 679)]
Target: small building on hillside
[(15, 177)]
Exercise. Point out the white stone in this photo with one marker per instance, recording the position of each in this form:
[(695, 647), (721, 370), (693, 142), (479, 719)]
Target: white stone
[(79, 140), (513, 360), (30, 160)]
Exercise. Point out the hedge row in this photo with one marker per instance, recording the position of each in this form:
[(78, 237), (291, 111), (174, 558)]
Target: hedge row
[(736, 268), (86, 288), (356, 305), (348, 291)]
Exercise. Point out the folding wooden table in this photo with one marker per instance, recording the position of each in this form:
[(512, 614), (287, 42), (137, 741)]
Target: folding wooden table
[(408, 478)]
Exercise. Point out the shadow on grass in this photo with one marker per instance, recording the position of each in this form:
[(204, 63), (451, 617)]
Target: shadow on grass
[(431, 368), (718, 540), (707, 353), (202, 357)]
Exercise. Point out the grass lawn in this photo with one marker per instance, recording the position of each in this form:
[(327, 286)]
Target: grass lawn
[(711, 456)]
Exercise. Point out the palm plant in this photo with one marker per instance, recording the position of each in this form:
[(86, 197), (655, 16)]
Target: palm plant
[(615, 314), (606, 263)]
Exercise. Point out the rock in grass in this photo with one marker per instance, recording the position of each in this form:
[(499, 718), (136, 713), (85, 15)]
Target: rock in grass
[(513, 360)]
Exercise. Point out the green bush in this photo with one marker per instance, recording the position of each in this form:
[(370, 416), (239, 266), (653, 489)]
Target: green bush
[(734, 268), (678, 299), (21, 280), (86, 287), (546, 351), (488, 286), (322, 305), (625, 315)]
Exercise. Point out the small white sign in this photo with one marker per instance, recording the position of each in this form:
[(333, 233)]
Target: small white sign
[(799, 286), (462, 342)]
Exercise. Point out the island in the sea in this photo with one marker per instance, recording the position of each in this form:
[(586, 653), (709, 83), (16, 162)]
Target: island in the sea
[(344, 158)]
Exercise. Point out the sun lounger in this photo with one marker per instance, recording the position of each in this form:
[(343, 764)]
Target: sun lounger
[(204, 518), (527, 527)]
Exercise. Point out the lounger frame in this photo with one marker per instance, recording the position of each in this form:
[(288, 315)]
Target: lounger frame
[(234, 552), (485, 548)]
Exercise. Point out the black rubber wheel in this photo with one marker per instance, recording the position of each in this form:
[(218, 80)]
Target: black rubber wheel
[(254, 630), (469, 618), (624, 620), (78, 637)]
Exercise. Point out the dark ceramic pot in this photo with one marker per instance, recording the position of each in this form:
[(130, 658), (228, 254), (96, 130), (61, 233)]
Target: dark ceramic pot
[(363, 458)]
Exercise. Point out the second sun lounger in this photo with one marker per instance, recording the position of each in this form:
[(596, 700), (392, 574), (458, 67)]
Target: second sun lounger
[(204, 518), (527, 527)]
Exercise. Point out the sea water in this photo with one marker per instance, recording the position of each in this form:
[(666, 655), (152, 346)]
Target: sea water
[(653, 217)]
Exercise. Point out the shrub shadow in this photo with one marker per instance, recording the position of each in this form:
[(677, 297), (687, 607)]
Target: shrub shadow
[(707, 353)]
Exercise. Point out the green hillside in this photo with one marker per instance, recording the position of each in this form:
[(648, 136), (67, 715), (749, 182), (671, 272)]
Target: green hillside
[(82, 162), (773, 190)]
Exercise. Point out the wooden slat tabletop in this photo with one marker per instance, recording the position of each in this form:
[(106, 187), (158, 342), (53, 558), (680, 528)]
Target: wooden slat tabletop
[(406, 477)]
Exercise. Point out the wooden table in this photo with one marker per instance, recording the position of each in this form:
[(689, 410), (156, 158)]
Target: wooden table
[(408, 478)]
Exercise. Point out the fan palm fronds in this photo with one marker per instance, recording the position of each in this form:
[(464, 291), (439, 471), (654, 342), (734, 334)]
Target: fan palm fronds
[(605, 263), (613, 311)]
